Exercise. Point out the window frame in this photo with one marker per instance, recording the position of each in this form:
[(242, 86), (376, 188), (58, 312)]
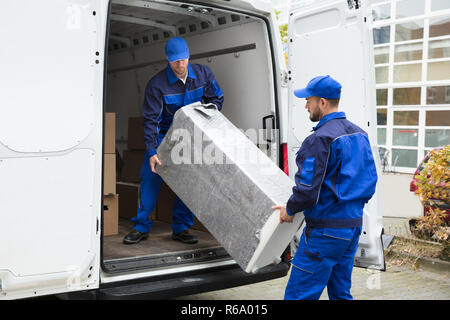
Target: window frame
[(390, 85)]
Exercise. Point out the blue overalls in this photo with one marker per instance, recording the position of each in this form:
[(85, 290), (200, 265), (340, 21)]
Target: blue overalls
[(164, 95), (336, 177)]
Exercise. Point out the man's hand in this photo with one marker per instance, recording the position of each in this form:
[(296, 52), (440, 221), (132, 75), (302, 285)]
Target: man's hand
[(153, 162), (284, 217)]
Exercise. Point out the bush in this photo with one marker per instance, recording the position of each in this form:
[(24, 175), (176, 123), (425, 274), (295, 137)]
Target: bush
[(433, 183)]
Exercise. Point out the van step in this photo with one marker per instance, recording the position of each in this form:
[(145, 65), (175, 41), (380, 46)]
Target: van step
[(191, 283), (165, 260)]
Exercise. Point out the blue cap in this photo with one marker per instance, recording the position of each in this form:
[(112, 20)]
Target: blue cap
[(177, 49), (321, 86)]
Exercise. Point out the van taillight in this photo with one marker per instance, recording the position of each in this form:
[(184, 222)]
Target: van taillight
[(284, 152)]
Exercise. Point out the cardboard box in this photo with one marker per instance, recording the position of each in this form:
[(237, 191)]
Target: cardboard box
[(111, 215), (132, 164), (110, 133), (136, 133), (129, 200), (165, 204), (109, 174), (165, 208)]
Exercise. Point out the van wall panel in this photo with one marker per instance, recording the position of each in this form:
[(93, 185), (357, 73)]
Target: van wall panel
[(46, 210), (47, 74)]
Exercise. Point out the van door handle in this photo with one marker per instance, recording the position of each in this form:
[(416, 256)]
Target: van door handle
[(264, 123)]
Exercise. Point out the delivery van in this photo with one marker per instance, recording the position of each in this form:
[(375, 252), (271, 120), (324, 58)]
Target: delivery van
[(72, 81)]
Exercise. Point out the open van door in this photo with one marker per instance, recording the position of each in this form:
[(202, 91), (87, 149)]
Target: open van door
[(51, 129), (333, 37)]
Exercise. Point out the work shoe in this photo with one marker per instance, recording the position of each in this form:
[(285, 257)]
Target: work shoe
[(134, 237), (185, 237)]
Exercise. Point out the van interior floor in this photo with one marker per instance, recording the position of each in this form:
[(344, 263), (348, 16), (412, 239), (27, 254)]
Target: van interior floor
[(159, 242)]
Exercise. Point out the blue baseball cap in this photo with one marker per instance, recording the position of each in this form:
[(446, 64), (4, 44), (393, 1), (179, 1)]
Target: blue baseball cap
[(177, 49), (321, 86)]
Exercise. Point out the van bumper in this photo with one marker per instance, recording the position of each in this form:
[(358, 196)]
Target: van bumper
[(190, 283)]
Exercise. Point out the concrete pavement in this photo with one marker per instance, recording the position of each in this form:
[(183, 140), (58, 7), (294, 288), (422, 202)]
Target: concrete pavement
[(398, 282)]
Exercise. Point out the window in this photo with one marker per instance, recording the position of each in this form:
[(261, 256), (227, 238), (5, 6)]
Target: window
[(439, 49), (381, 117), (409, 8), (381, 54), (381, 12), (409, 31), (381, 74), (406, 118), (408, 72), (438, 70), (412, 68), (440, 26), (381, 35), (438, 118), (440, 5), (436, 137), (381, 136), (405, 137), (406, 96), (438, 95), (408, 52), (382, 97), (404, 158)]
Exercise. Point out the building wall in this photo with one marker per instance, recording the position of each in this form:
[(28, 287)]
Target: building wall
[(397, 200)]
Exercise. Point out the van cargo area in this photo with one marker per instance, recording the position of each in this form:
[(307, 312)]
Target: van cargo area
[(236, 48)]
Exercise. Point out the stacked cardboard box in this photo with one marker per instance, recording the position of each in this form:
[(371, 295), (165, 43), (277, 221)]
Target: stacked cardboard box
[(128, 187), (134, 155), (129, 200), (110, 214), (110, 198)]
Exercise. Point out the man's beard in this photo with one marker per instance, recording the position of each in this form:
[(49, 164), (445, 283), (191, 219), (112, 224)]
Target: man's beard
[(315, 116), (181, 74)]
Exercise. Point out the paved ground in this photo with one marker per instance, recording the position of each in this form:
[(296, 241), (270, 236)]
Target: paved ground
[(396, 283)]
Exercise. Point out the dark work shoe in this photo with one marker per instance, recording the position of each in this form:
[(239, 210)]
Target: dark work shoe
[(134, 237), (185, 237)]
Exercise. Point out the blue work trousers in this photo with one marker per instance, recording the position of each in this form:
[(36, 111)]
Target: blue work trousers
[(150, 187), (324, 258)]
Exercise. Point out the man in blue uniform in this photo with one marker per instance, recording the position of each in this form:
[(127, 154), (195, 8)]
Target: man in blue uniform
[(336, 177), (179, 84)]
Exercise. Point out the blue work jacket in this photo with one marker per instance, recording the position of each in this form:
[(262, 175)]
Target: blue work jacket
[(336, 174), (165, 94)]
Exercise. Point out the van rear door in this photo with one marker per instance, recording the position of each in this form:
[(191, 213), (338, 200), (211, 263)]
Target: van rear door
[(51, 129), (333, 37)]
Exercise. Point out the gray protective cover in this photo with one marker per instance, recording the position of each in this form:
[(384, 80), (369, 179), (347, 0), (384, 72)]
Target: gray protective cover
[(224, 179)]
